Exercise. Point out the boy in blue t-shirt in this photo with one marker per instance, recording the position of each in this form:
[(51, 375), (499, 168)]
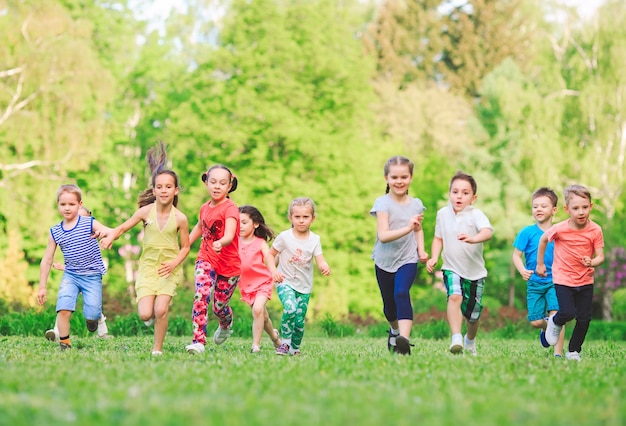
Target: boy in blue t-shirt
[(541, 295)]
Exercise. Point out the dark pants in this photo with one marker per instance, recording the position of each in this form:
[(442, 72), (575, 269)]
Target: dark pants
[(394, 289), (575, 302)]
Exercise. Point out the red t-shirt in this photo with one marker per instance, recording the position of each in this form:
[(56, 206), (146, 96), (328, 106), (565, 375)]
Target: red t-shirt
[(213, 220), (570, 246)]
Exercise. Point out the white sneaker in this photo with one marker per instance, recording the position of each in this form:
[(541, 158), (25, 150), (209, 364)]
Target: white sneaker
[(150, 322), (470, 346), (456, 347), (52, 335), (221, 334), (553, 331), (103, 330), (572, 356), (157, 353), (195, 348)]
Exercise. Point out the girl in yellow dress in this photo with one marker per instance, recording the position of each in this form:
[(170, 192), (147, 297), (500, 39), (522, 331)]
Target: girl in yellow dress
[(159, 266)]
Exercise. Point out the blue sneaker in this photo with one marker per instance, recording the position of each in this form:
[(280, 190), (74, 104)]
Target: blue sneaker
[(542, 339)]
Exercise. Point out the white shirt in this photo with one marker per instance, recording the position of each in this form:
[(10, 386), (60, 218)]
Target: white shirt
[(462, 258), (296, 259)]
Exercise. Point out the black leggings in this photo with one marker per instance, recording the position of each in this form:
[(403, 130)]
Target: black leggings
[(575, 302), (394, 289)]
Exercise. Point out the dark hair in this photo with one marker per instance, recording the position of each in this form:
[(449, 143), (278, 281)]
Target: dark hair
[(397, 160), (464, 176), (261, 231), (579, 190), (546, 192), (233, 178), (156, 158)]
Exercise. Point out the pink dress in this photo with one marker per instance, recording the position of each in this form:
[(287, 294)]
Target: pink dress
[(255, 278)]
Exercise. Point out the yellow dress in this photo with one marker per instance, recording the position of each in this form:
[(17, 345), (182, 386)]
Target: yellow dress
[(159, 246)]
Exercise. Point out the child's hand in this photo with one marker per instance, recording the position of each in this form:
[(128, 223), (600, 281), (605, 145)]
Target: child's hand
[(423, 256), (277, 277), (165, 269), (465, 238), (526, 274), (416, 222), (107, 242), (58, 266), (217, 247), (587, 261), (541, 270), (42, 296), (430, 265), (324, 269)]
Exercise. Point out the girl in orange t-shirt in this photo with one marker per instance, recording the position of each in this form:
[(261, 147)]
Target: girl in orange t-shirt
[(256, 283)]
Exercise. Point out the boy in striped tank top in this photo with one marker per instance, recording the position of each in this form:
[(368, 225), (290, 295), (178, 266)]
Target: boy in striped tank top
[(83, 263)]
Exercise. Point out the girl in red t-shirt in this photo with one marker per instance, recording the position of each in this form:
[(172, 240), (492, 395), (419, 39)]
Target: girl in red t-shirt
[(218, 266)]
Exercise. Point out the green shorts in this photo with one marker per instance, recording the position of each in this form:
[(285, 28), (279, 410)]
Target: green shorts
[(472, 292)]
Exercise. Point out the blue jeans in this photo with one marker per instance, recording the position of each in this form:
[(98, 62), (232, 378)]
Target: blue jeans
[(89, 285)]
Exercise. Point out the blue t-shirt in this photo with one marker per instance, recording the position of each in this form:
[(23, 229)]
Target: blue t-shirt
[(527, 241)]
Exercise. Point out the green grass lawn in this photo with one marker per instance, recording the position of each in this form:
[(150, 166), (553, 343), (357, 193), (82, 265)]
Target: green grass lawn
[(348, 381)]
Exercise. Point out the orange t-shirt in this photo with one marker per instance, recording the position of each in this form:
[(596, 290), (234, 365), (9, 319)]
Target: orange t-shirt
[(570, 246), (213, 221)]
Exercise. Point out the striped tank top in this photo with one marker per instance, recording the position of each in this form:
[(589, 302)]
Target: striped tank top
[(81, 253)]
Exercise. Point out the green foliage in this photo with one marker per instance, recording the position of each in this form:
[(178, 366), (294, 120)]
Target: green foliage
[(619, 304), (334, 328)]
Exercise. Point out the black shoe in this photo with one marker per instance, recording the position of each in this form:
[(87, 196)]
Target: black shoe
[(391, 341), (403, 346), (92, 325), (64, 346)]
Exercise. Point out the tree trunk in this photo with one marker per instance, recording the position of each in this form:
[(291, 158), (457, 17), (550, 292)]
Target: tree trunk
[(606, 304)]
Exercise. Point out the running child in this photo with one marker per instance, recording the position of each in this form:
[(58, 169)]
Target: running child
[(256, 284), (578, 249), (540, 294), (218, 266), (160, 270), (83, 264), (296, 248), (460, 232), (399, 247), (103, 330)]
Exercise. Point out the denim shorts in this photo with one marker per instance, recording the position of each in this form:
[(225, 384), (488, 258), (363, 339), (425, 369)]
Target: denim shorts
[(91, 288), (541, 298)]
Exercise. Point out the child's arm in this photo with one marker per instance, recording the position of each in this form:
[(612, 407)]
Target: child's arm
[(322, 265), (598, 258), (140, 214), (270, 262), (183, 229), (421, 249), (195, 233), (386, 235), (541, 251), (482, 236), (229, 235), (519, 264), (435, 250), (58, 266), (44, 270)]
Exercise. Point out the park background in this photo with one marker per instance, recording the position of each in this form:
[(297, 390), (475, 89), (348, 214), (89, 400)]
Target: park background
[(309, 98)]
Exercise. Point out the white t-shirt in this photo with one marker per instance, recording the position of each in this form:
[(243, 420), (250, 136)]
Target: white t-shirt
[(390, 256), (464, 259), (295, 259)]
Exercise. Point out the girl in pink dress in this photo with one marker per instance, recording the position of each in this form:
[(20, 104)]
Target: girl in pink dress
[(255, 283)]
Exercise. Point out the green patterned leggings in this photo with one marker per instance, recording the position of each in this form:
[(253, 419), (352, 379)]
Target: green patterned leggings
[(295, 305)]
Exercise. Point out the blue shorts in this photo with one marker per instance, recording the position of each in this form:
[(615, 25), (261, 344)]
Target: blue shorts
[(472, 292), (89, 285), (541, 298)]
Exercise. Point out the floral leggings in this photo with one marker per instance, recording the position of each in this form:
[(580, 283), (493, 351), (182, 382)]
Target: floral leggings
[(209, 284), (295, 305)]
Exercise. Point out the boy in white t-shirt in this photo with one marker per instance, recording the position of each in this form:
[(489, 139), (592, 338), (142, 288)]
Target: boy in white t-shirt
[(460, 231)]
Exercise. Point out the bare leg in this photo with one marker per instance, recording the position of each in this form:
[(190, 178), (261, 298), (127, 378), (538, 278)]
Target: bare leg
[(405, 327), (269, 328), (161, 309), (455, 317), (258, 319), (472, 329), (63, 322)]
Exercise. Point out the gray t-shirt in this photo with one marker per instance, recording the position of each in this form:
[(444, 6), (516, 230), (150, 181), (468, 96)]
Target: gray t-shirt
[(390, 256), (296, 258)]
